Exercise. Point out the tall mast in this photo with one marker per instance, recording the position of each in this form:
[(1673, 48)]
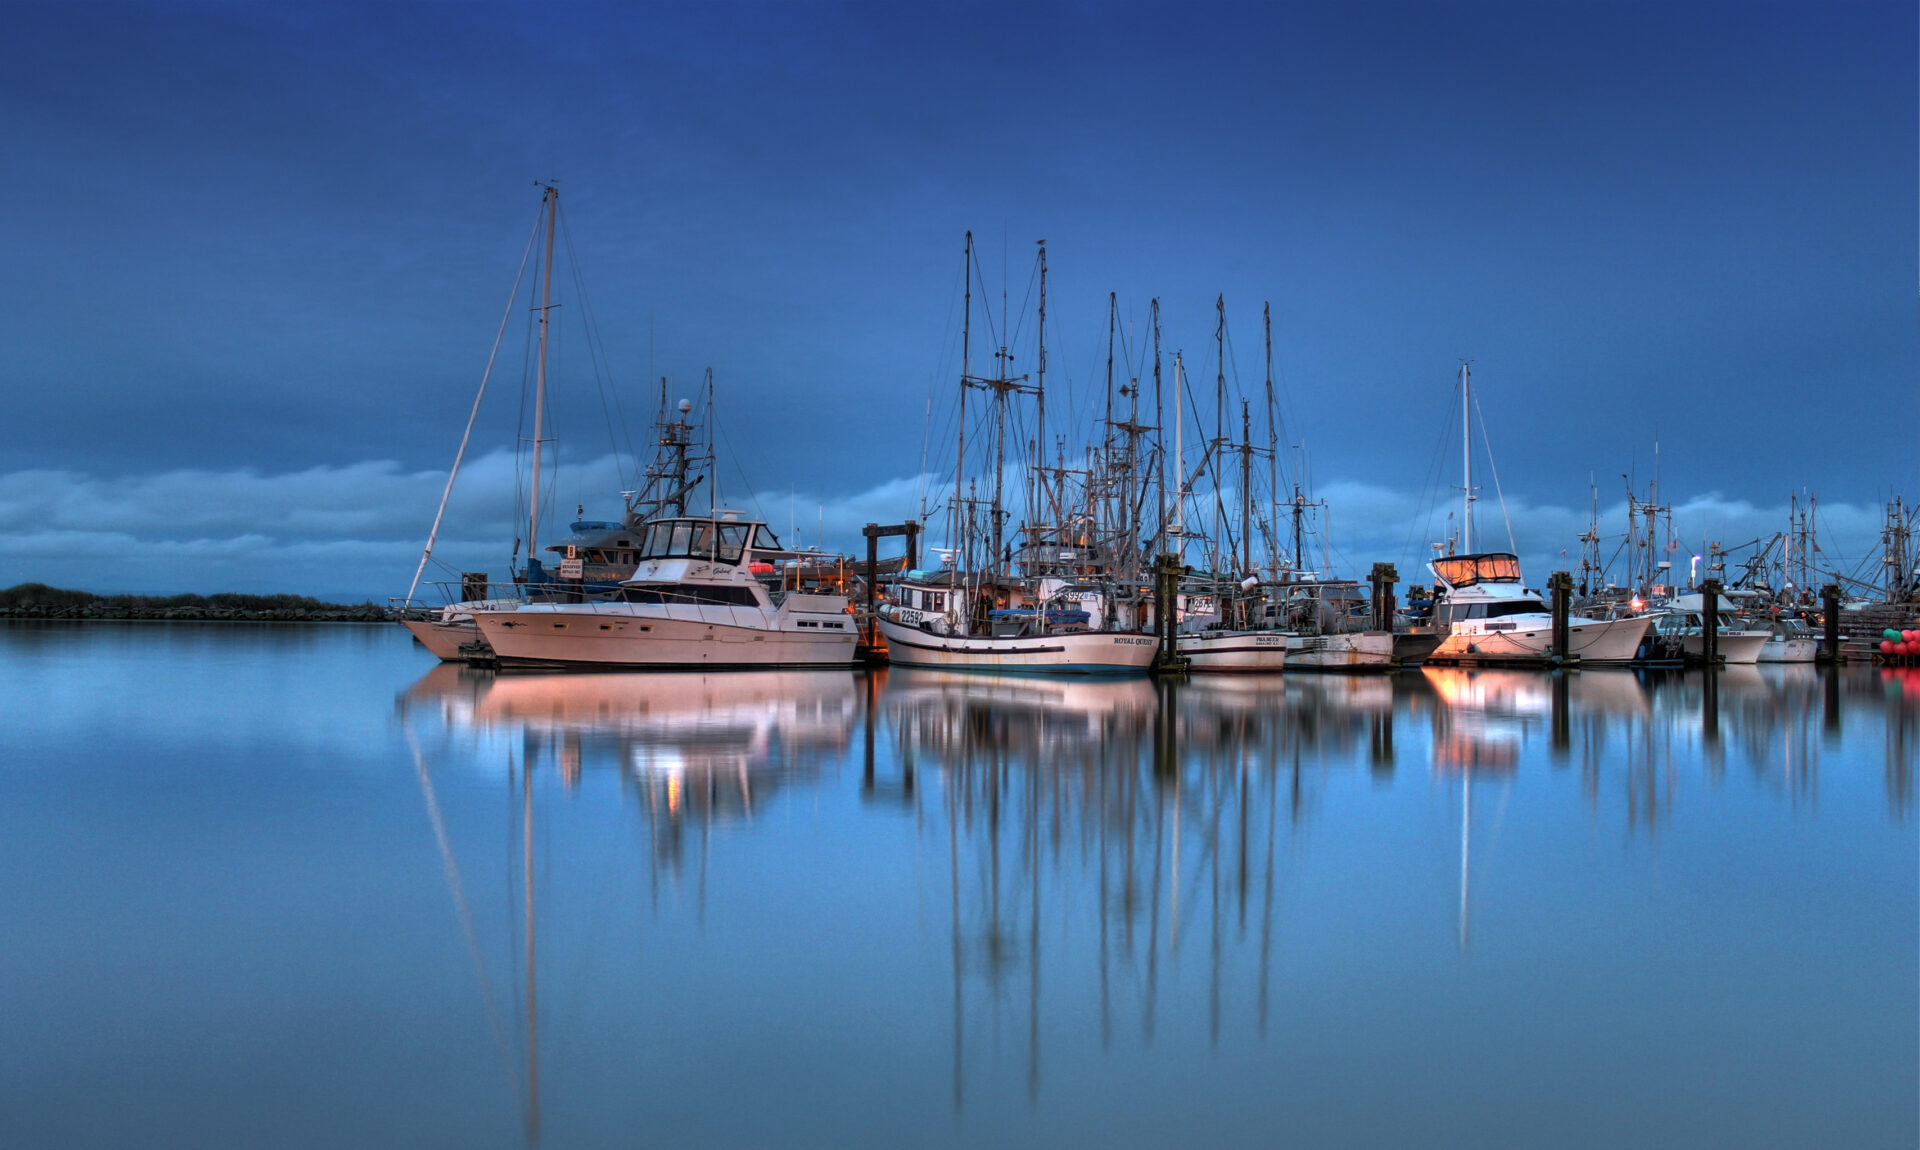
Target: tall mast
[(1036, 483), (1273, 441), (1218, 447), (1179, 454), (1246, 490), (1160, 424), (540, 387), (1112, 304), (1466, 459), (960, 452)]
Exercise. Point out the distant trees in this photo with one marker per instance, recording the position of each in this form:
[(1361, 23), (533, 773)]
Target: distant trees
[(41, 595)]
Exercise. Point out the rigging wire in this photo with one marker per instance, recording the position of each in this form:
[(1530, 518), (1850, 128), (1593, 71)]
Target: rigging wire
[(602, 367)]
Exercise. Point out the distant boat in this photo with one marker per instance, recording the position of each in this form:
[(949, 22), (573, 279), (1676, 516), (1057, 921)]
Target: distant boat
[(693, 602)]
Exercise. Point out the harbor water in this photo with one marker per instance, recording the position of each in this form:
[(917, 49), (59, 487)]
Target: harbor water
[(302, 886)]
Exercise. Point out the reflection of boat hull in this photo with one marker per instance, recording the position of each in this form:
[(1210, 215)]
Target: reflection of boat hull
[(1234, 651), (1353, 651), (444, 639), (612, 638), (1065, 653), (1783, 650), (1589, 640)]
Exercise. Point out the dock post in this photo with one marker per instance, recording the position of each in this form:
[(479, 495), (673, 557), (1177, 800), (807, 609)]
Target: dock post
[(1710, 622), (1830, 619), (1383, 578), (873, 579), (1166, 605), (913, 545), (1561, 584)]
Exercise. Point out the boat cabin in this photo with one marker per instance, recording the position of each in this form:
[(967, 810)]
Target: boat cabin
[(710, 540), (1459, 571)]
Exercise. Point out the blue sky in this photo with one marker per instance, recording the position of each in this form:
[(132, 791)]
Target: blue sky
[(260, 250)]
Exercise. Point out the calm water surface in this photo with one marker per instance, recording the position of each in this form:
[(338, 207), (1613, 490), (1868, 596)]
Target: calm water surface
[(304, 887)]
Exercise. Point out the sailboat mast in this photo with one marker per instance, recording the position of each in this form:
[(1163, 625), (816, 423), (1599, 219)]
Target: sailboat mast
[(540, 386), (1466, 459)]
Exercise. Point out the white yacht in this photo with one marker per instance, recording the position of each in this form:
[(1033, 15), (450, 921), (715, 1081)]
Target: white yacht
[(1487, 616), (692, 602)]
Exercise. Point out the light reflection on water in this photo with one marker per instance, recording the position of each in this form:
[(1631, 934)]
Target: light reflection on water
[(268, 904)]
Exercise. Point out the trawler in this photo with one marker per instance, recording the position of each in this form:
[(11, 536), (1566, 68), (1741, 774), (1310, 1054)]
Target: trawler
[(693, 601), (977, 613)]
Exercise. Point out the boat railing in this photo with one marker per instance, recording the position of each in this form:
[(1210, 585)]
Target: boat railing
[(436, 597)]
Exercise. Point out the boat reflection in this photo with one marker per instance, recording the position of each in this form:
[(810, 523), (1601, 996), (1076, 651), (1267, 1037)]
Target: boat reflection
[(1129, 838), (699, 745)]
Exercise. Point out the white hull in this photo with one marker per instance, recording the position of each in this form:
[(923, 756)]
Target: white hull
[(1531, 641), (1064, 653), (1234, 651), (680, 636), (1789, 650), (1353, 651), (1737, 648), (444, 639)]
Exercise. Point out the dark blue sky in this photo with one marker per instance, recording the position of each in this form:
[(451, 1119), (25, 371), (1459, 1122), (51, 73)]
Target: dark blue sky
[(265, 239)]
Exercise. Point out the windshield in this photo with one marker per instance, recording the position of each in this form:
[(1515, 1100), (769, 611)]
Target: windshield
[(1466, 570), (694, 539)]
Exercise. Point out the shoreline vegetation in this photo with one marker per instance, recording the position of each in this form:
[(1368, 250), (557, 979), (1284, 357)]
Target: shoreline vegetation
[(35, 601)]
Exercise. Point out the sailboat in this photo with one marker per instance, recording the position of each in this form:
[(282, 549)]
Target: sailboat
[(452, 634), (1485, 612), (975, 613)]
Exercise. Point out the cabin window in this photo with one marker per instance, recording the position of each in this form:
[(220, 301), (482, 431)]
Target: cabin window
[(733, 539), (700, 594), (1515, 607), (763, 539)]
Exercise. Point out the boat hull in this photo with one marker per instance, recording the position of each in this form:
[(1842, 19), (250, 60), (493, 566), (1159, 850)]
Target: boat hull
[(1589, 640), (1736, 648), (444, 639), (1241, 651), (1066, 653), (1790, 651), (1353, 651), (630, 640)]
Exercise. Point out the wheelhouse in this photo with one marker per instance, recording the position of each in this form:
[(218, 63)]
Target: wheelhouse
[(710, 540)]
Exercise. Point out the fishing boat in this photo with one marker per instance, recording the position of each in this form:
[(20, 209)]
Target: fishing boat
[(977, 612), (1685, 617), (694, 601)]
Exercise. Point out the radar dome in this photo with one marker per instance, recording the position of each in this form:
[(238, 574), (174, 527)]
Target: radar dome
[(686, 405)]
